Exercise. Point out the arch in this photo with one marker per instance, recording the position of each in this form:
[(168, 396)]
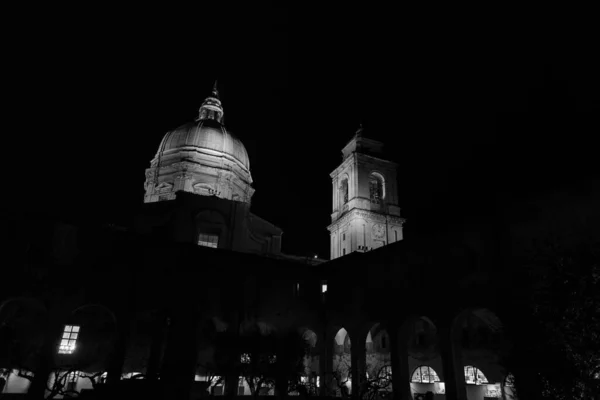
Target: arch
[(96, 305), (377, 191), (474, 376), (342, 362), (88, 338), (421, 335), (342, 337), (378, 357), (310, 336), (477, 327), (22, 323), (424, 374), (344, 190)]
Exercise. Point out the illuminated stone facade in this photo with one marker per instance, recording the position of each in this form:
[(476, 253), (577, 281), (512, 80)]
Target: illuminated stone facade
[(365, 214), (199, 188)]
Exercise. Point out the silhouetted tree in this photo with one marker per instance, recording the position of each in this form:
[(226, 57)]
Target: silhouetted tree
[(556, 352)]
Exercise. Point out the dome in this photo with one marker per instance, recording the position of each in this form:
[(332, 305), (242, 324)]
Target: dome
[(200, 157), (205, 134)]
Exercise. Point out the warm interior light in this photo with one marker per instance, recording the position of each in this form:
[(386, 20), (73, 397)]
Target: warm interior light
[(69, 339)]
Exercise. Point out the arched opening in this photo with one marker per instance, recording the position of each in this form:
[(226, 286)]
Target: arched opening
[(478, 386), (211, 361), (422, 341), (22, 322), (342, 363), (478, 333), (376, 188), (378, 360), (86, 345), (310, 380), (344, 191), (257, 359), (425, 379)]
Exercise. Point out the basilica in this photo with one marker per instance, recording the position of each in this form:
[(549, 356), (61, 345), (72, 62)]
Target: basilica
[(88, 308)]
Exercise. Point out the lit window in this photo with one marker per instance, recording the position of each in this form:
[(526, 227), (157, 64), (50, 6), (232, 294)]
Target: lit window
[(245, 358), (474, 376), (69, 338), (424, 374), (208, 240), (324, 288)]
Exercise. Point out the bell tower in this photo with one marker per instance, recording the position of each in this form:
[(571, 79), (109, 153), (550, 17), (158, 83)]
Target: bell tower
[(365, 214)]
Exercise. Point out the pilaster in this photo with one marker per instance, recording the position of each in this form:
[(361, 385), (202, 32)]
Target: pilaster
[(400, 368), (454, 375)]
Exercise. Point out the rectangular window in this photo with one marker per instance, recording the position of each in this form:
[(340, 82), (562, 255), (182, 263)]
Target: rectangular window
[(343, 252), (344, 236), (69, 338), (324, 287), (208, 240)]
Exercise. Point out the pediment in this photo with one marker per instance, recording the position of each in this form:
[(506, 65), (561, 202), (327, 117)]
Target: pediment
[(205, 189), (164, 187)]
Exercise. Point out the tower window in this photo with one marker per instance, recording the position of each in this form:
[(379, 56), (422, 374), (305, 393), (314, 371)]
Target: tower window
[(376, 188), (324, 287), (344, 191), (343, 236), (69, 338), (343, 252), (208, 240)]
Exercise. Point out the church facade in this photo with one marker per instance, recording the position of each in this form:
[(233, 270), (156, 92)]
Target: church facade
[(93, 307)]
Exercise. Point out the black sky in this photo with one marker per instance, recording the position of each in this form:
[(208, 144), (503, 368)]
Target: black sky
[(469, 106)]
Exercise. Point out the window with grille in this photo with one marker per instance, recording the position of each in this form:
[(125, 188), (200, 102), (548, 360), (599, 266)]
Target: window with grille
[(208, 240), (424, 374), (474, 376), (69, 339)]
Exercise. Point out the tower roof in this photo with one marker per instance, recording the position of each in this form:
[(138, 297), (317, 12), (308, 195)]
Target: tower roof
[(362, 144)]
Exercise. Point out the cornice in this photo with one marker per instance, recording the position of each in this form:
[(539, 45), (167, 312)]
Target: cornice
[(367, 214)]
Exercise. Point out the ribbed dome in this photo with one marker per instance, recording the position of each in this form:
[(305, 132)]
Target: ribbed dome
[(205, 134)]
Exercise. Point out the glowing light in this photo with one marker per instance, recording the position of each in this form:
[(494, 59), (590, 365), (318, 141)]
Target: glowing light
[(207, 240), (69, 339)]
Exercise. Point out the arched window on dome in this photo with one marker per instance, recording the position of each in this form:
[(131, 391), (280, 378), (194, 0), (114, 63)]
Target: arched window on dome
[(424, 374), (474, 376), (376, 188)]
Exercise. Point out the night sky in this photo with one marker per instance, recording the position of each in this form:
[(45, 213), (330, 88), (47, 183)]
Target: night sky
[(473, 109)]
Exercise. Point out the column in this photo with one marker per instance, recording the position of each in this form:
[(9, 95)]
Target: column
[(325, 364), (454, 373), (281, 379), (117, 359), (157, 347), (400, 369), (358, 365), (179, 365)]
